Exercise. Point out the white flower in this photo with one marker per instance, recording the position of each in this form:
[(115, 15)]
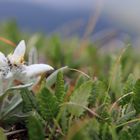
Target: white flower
[(4, 67), (13, 65)]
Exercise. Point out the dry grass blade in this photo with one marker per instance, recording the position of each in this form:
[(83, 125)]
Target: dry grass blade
[(91, 26), (7, 41), (80, 72), (131, 121), (115, 67), (86, 108), (15, 132), (115, 103)]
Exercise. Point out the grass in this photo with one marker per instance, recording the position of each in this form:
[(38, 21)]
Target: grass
[(95, 97)]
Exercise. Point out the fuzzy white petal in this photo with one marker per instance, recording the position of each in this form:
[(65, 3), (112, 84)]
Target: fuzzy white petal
[(19, 53), (20, 49), (3, 59), (36, 69), (9, 75)]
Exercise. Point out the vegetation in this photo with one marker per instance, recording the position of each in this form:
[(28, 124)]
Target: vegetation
[(92, 94)]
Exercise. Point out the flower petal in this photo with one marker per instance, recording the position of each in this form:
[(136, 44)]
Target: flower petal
[(18, 55), (9, 75), (3, 59), (20, 49), (37, 69)]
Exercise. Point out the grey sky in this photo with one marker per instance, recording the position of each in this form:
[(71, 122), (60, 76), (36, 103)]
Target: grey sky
[(123, 12), (65, 4)]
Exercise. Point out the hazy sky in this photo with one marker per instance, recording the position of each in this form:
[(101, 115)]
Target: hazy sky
[(123, 12), (85, 4)]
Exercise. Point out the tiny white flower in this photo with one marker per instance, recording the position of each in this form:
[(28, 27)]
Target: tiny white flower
[(13, 65)]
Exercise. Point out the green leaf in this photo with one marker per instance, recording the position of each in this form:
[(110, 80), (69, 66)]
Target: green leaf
[(29, 101), (104, 110), (125, 135), (81, 79), (10, 106), (2, 135), (88, 132), (104, 130), (113, 133), (126, 117), (64, 120), (48, 104), (82, 130), (98, 93), (136, 99), (128, 87), (35, 129), (52, 78), (11, 89), (60, 91), (116, 78), (136, 131), (79, 99)]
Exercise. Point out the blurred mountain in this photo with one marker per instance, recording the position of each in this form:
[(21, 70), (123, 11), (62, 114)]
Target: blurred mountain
[(47, 19)]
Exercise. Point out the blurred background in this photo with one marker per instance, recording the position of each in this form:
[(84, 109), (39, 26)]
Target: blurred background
[(96, 39), (104, 21), (90, 36)]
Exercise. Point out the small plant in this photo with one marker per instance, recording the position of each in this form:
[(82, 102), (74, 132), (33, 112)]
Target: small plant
[(17, 81)]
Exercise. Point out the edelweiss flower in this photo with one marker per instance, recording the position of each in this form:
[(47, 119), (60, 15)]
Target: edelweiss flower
[(13, 66)]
